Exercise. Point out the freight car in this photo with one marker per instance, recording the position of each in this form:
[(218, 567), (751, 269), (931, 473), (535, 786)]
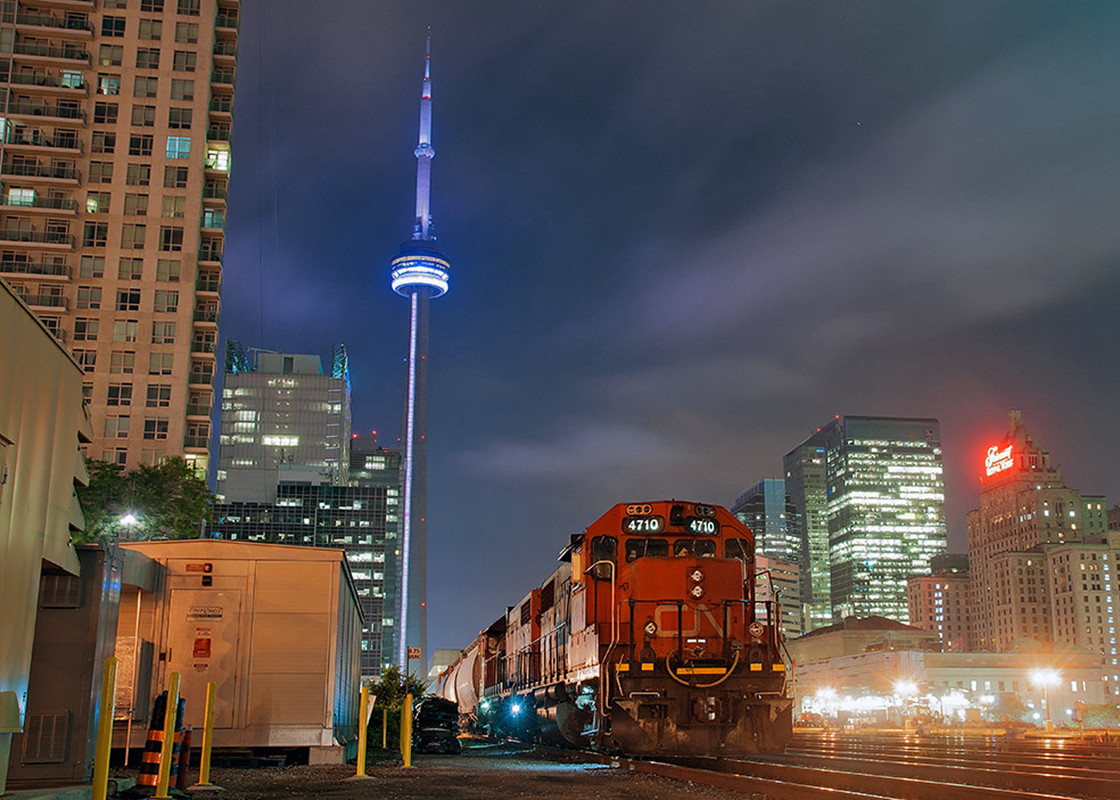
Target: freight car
[(646, 640)]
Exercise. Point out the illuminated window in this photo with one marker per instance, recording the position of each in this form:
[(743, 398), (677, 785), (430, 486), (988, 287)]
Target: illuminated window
[(178, 147)]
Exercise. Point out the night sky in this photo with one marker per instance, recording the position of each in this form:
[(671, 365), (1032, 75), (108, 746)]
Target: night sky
[(683, 235)]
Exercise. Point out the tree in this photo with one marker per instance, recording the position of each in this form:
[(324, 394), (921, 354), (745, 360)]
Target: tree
[(389, 693), (166, 501)]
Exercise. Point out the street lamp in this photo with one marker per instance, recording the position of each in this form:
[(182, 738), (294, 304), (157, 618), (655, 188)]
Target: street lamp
[(1046, 678), (129, 521)]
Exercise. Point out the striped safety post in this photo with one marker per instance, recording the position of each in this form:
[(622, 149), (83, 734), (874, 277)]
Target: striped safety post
[(149, 762)]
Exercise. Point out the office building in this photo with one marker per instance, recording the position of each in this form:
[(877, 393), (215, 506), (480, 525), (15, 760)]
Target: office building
[(778, 581), (884, 501), (115, 159), (806, 487), (419, 272), (768, 512), (940, 603), (283, 419)]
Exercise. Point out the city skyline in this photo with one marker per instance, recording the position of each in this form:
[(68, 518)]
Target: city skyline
[(682, 239)]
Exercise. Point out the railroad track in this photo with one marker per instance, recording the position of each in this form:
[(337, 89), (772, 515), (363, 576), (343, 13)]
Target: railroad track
[(882, 771)]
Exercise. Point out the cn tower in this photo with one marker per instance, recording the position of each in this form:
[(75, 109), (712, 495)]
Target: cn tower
[(419, 272)]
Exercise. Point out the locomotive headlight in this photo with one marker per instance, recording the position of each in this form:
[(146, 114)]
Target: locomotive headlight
[(697, 576), (650, 628), (697, 591)]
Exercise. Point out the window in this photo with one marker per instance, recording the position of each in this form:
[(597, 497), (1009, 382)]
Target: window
[(178, 147), (186, 32), (91, 267), (170, 238), (178, 118), (151, 29), (155, 428), (116, 427), (95, 234), (89, 297), (145, 87), (139, 175), (140, 144), (110, 55), (116, 3), (188, 8), (97, 202), (213, 218), (100, 172), (125, 330), (181, 89), (130, 269), (71, 79), (217, 158), (135, 205), (122, 362), (108, 84), (120, 394), (132, 237), (151, 5), (159, 395), (184, 61), (105, 113), (103, 142), (87, 359), (161, 363), (144, 116), (112, 26), (167, 270), (21, 197), (175, 177), (147, 58), (163, 332), (174, 206), (85, 329), (166, 300)]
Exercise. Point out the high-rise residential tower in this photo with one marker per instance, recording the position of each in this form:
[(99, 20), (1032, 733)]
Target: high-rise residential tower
[(419, 273), (115, 158)]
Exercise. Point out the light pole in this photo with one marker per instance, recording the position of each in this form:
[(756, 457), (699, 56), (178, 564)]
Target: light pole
[(1045, 678)]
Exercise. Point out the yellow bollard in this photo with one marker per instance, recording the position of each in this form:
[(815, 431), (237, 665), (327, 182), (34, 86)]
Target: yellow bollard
[(105, 730), (165, 753), (363, 732), (406, 731), (207, 739), (384, 729)]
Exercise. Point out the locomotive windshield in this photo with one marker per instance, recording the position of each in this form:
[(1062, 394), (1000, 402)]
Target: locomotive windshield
[(603, 549), (640, 548), (737, 548), (694, 547)]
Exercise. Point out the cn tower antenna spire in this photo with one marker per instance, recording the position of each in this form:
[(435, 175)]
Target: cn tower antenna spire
[(419, 272), (422, 228)]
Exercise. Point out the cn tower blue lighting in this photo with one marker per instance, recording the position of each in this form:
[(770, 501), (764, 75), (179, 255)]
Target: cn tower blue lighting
[(419, 272)]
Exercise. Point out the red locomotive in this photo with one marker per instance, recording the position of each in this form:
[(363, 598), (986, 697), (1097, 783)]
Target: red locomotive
[(646, 640)]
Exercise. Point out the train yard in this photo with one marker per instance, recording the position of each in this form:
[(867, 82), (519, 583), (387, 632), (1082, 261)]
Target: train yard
[(814, 766)]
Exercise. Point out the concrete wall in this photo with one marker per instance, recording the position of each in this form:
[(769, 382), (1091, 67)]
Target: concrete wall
[(41, 424)]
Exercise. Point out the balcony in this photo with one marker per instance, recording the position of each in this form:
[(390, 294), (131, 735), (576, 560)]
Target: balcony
[(54, 171), (45, 300), (196, 442), (77, 23), (219, 133), (201, 377), (224, 48), (22, 140), (215, 191), (49, 203), (51, 53), (206, 315), (221, 104), (211, 254), (44, 268), (223, 76), (227, 22), (36, 237), (43, 110), (203, 348), (194, 410), (213, 285), (45, 80)]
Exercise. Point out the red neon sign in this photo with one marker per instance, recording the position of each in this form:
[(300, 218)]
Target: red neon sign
[(998, 460)]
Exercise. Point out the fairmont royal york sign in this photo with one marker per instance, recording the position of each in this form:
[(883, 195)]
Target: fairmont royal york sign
[(998, 460)]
